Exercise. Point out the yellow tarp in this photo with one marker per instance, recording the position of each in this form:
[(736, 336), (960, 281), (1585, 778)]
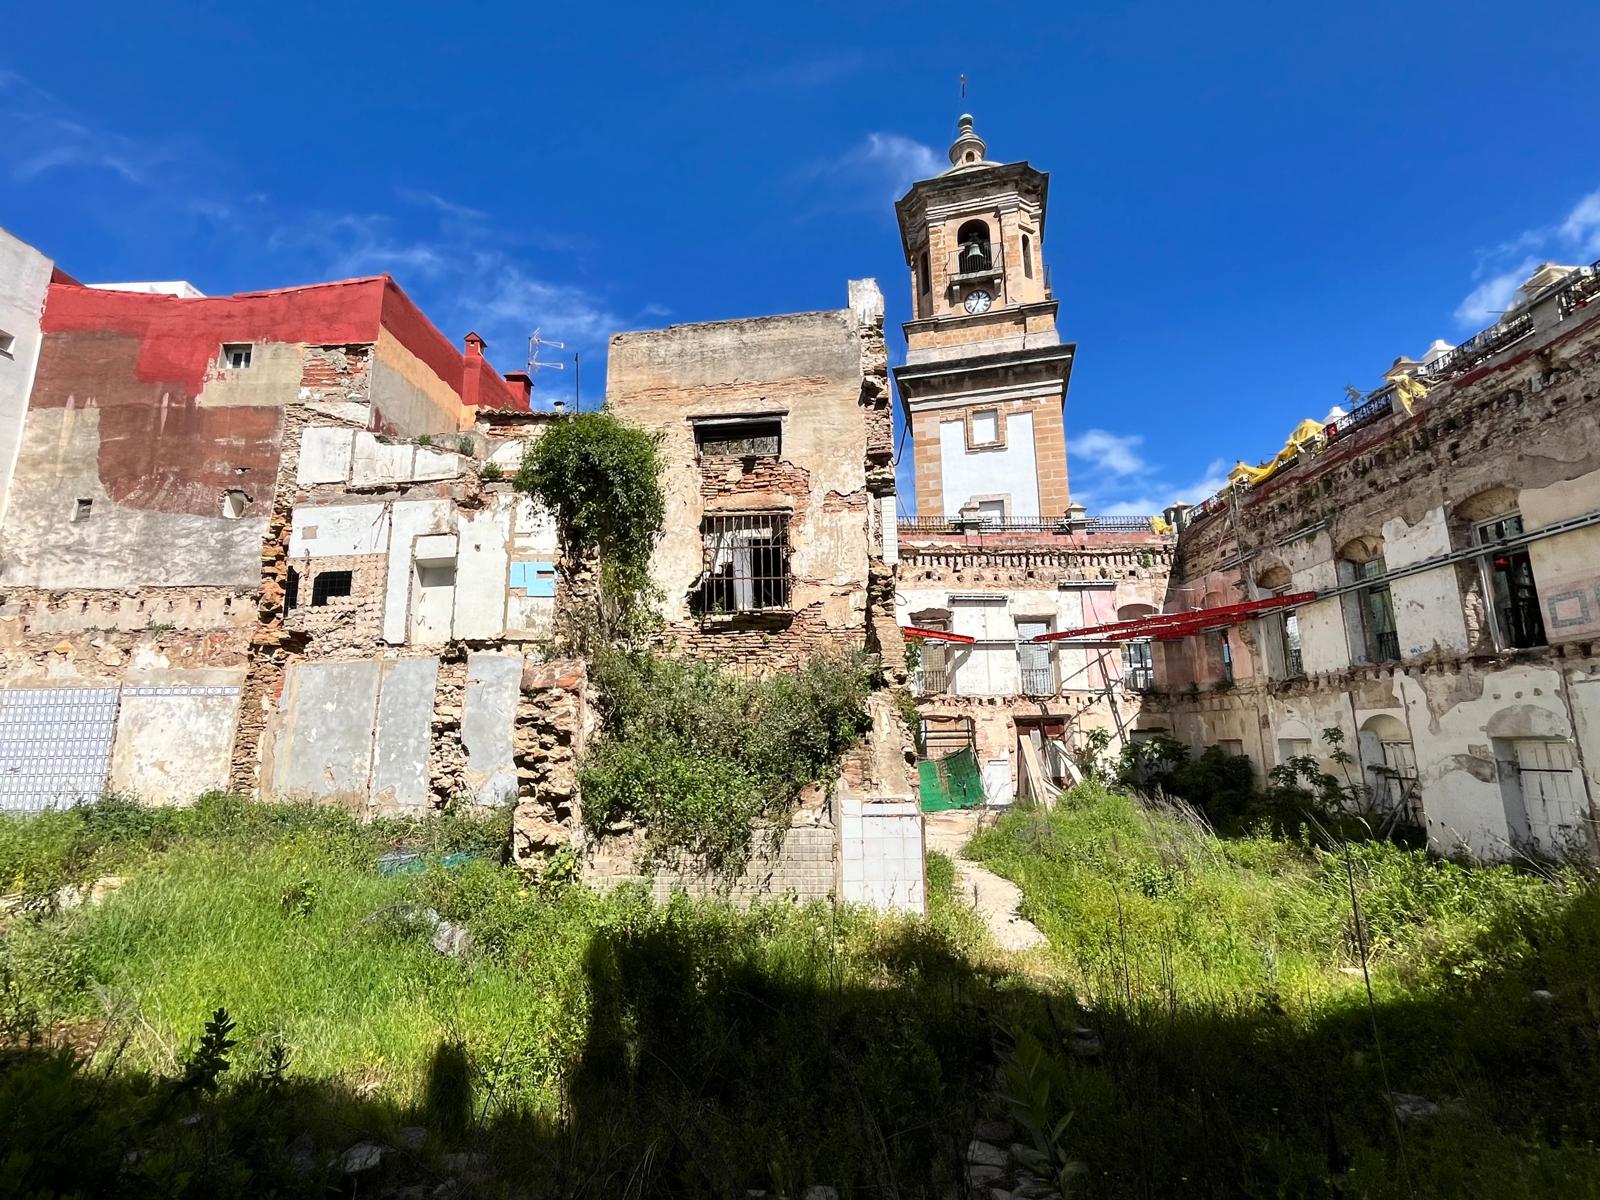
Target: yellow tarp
[(1305, 432)]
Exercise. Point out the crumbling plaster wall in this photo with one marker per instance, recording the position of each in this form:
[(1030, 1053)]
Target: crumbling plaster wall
[(24, 281), (809, 369), (1523, 428)]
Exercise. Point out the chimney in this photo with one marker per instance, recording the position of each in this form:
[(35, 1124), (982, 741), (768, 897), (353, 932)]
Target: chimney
[(522, 385), (475, 346)]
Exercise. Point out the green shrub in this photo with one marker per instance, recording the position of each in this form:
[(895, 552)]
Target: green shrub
[(697, 754)]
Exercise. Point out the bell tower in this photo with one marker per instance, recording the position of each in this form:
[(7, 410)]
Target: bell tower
[(984, 383)]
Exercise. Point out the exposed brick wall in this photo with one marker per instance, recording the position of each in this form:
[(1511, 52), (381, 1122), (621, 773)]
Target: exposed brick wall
[(804, 867)]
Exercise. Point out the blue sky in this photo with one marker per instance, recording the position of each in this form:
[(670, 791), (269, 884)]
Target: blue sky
[(1251, 206)]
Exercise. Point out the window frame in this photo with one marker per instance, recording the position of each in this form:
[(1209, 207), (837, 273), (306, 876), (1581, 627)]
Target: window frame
[(1501, 623), (999, 442), (230, 349), (714, 528), (721, 428)]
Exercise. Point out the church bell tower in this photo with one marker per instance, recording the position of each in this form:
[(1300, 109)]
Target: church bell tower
[(984, 383)]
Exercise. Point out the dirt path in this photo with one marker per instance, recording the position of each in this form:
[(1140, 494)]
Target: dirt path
[(994, 899)]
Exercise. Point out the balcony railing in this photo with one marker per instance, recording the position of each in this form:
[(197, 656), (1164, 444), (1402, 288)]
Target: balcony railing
[(1383, 647), (1112, 524), (1374, 409), (977, 259), (1480, 347), (1139, 679), (1293, 666), (932, 681), (1037, 680)]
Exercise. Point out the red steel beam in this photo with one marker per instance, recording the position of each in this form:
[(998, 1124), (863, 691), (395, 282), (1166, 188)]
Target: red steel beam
[(1178, 624), (935, 635)]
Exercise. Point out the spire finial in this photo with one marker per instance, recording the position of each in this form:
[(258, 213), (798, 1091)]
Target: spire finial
[(968, 148)]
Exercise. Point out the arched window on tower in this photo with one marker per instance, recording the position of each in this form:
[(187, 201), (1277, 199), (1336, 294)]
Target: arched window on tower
[(974, 255), (1027, 256)]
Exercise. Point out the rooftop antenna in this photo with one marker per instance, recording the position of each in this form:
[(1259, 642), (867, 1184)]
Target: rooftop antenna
[(963, 87), (535, 344)]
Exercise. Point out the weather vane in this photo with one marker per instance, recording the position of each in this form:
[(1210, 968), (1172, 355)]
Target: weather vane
[(963, 87)]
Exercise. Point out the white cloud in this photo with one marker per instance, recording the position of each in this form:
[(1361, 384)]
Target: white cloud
[(1484, 304), (1582, 226), (1109, 476), (1116, 454), (883, 165), (1506, 267)]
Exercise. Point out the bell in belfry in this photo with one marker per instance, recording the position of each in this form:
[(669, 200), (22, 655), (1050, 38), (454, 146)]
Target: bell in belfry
[(975, 257)]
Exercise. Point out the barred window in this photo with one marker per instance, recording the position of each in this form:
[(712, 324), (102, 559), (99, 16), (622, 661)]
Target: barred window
[(746, 566)]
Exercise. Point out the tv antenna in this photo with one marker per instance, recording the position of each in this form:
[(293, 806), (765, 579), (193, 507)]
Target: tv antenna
[(537, 343)]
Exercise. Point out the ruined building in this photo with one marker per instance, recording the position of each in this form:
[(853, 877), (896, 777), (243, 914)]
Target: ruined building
[(1422, 574), (779, 543), (239, 532), (997, 554)]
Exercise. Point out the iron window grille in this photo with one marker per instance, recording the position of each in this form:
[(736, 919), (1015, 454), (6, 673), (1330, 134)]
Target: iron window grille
[(331, 585), (746, 563)]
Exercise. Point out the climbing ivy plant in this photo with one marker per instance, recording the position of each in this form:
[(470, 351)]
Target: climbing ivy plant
[(601, 479)]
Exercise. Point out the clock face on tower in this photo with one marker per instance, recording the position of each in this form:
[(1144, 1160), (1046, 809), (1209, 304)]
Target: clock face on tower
[(978, 301)]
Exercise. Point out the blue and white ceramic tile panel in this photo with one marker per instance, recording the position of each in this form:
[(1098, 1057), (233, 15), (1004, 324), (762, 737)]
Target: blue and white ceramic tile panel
[(55, 746)]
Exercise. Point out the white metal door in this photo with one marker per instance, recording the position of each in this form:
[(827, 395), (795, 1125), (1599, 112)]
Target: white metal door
[(1551, 797)]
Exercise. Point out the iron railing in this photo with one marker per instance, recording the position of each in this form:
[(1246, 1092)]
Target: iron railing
[(975, 524), (1375, 408), (1479, 348), (1139, 678), (1293, 666), (1384, 646), (1037, 680), (746, 564), (932, 681), (977, 258)]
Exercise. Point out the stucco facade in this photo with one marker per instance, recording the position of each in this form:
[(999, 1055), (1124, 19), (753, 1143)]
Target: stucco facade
[(1453, 555)]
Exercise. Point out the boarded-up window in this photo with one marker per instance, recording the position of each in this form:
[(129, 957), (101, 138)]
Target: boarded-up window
[(740, 438)]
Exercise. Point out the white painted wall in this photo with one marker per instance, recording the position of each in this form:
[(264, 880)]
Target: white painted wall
[(1427, 606), (1009, 470), (482, 569), (325, 530), (409, 520), (24, 283)]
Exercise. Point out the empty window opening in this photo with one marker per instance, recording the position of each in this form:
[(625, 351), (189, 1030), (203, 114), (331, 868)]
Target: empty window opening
[(739, 438), (746, 563), (983, 429), (1382, 642), (1224, 656), (233, 503), (82, 508), (1027, 256), (236, 355), (1509, 579), (924, 281), (7, 340), (436, 574), (933, 661), (330, 585), (291, 590)]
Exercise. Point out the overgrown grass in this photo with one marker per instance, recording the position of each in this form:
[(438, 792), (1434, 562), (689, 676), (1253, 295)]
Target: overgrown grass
[(1206, 1029), (601, 1039), (1238, 1051)]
